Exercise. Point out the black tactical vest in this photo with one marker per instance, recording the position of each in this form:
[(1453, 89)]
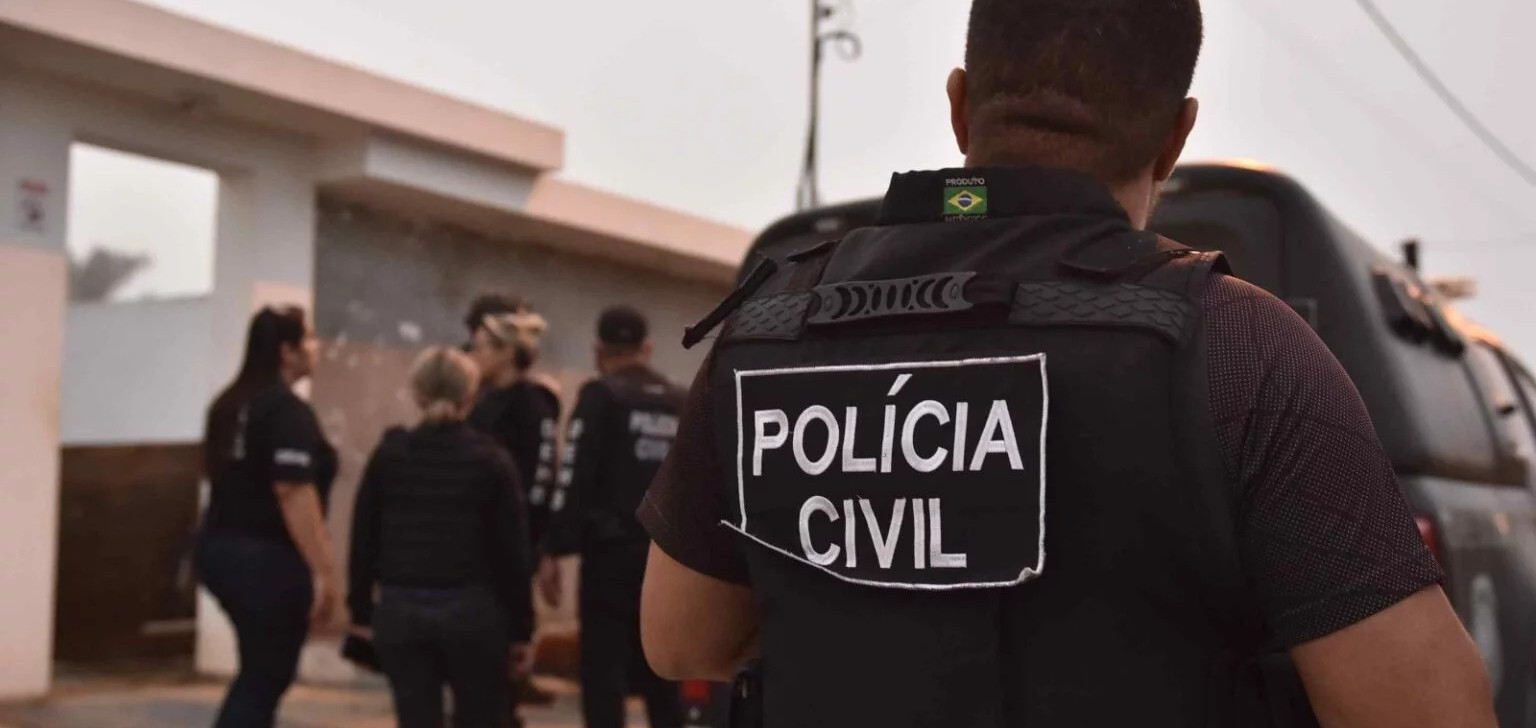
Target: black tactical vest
[(640, 425), (971, 456)]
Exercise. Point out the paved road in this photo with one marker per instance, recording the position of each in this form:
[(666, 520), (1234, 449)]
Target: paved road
[(192, 705)]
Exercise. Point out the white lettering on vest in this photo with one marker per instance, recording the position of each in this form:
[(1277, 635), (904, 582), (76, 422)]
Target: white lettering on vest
[(936, 555), (653, 424), (850, 534), (962, 416), (851, 462), (772, 430), (762, 441), (926, 408), (997, 437), (885, 544), (927, 533), (919, 535), (888, 439), (651, 449), (816, 504), (819, 465)]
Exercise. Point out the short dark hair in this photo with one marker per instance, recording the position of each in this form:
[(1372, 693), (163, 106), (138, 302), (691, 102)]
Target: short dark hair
[(491, 304), (622, 328), (1093, 85)]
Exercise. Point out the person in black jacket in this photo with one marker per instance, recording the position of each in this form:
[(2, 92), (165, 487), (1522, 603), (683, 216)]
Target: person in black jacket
[(263, 550), (440, 528), (520, 411), (619, 434), (515, 407)]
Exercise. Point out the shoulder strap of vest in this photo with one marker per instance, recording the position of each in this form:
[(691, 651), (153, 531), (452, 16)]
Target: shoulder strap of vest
[(1149, 259), (1152, 286), (1183, 269), (808, 266), (1155, 288), (805, 270), (1111, 253)]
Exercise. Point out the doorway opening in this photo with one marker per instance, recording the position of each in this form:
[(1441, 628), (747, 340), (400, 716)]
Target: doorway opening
[(141, 243)]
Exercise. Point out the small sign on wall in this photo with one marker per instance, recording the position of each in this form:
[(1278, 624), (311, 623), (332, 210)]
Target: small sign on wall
[(32, 206)]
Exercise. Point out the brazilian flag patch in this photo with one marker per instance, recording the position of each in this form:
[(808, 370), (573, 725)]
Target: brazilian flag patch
[(965, 201)]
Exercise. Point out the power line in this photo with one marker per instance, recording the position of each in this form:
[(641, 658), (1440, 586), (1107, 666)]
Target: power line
[(1449, 98), (1306, 50)]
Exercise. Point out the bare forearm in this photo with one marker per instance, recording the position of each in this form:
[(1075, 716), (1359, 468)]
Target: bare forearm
[(694, 626), (300, 504), (1411, 664)]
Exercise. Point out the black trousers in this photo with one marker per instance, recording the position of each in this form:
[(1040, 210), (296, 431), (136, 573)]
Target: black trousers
[(428, 638), (265, 588), (612, 662)]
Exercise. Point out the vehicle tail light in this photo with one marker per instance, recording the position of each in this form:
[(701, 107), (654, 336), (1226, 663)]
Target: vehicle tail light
[(1431, 536), (696, 691)]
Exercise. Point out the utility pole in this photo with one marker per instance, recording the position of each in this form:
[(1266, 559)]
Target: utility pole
[(849, 46)]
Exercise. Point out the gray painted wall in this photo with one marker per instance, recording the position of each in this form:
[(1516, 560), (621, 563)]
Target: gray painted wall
[(399, 283)]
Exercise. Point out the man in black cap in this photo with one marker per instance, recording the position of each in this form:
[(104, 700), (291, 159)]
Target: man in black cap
[(621, 431)]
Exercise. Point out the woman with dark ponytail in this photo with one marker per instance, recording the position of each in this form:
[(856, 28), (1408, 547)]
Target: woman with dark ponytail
[(263, 551), (440, 543)]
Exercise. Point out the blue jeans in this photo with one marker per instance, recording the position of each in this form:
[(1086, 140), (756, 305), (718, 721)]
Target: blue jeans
[(428, 638), (265, 588)]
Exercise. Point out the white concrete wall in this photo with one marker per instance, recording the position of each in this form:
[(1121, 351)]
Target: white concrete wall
[(265, 238), (136, 372), (32, 282)]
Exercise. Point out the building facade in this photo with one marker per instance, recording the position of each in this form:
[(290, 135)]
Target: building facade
[(382, 207)]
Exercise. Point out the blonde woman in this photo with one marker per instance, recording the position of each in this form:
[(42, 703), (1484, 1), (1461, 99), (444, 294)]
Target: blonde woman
[(439, 563)]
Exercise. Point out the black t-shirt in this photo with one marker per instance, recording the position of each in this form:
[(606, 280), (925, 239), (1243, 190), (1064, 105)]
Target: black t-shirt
[(620, 433), (1327, 536), (522, 418), (277, 440)]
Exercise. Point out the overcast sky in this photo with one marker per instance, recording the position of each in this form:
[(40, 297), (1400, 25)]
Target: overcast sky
[(700, 104)]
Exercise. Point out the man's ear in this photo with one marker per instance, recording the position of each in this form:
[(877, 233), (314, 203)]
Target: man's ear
[(959, 111), (1182, 126)]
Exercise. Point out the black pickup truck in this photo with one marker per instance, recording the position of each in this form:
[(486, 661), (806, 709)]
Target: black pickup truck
[(1454, 408)]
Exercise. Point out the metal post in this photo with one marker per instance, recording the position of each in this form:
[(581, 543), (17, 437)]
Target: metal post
[(808, 195)]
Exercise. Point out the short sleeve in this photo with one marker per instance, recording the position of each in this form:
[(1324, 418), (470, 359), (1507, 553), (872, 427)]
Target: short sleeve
[(296, 442), (686, 503), (1327, 536)]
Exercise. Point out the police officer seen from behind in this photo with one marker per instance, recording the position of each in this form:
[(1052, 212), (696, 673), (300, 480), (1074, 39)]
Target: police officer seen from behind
[(1007, 459), (619, 434)]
